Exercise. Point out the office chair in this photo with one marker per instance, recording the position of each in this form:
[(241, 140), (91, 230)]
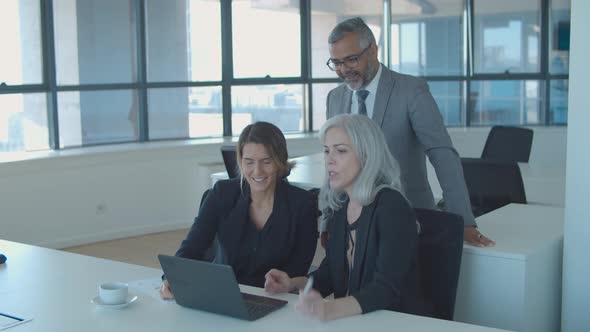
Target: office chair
[(492, 184), (228, 152), (440, 246), (506, 143), (315, 193), (209, 255)]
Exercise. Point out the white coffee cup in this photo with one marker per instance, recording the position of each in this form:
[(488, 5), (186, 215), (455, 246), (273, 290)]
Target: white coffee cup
[(113, 292)]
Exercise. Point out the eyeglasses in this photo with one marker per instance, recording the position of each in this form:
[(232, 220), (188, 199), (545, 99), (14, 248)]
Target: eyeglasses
[(350, 61)]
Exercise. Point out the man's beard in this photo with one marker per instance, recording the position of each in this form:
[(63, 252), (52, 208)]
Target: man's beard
[(364, 79)]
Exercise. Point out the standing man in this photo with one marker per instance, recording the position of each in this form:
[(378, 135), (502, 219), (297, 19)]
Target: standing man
[(407, 113)]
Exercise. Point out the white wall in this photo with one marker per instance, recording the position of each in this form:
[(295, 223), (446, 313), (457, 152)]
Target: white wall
[(576, 265), (102, 193)]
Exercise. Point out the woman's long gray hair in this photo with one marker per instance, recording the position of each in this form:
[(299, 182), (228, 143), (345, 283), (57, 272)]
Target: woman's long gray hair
[(379, 169)]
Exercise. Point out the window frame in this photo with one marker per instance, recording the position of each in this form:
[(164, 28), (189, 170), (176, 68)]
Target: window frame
[(50, 87)]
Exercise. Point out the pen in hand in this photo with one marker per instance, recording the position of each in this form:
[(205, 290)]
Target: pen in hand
[(308, 285), (310, 303)]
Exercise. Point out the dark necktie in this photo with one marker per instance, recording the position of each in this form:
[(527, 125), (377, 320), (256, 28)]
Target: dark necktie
[(361, 96)]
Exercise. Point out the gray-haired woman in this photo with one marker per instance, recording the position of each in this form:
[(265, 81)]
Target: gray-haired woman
[(371, 261)]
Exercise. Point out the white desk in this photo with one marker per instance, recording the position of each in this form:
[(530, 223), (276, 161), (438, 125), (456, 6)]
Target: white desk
[(515, 285), (543, 185), (309, 172), (55, 288)]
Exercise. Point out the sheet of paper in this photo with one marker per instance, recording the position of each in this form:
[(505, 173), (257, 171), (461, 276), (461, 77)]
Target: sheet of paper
[(8, 320), (149, 287)]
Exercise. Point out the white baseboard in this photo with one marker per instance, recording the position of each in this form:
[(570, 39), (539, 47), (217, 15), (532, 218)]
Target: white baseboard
[(83, 239)]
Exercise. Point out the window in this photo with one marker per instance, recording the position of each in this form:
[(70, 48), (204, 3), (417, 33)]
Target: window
[(185, 112), (97, 117), (266, 38), (104, 65), (280, 104), (320, 95), (20, 37), (95, 41), (23, 122), (449, 98), (506, 36), (501, 102), (558, 108), (559, 37), (23, 116), (427, 37), (183, 40)]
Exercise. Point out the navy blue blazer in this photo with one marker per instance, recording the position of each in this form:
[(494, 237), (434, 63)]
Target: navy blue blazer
[(384, 273), (287, 242)]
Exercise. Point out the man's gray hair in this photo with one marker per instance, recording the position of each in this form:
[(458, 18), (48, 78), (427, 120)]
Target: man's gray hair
[(356, 25), (379, 169)]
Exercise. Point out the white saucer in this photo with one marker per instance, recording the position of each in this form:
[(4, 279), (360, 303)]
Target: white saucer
[(98, 302)]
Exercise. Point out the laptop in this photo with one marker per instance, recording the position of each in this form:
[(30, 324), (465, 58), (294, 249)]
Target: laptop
[(213, 288)]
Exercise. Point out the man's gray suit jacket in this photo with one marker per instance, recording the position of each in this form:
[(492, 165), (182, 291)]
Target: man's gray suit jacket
[(413, 127)]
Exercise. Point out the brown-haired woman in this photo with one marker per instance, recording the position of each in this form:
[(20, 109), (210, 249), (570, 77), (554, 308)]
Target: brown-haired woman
[(260, 220)]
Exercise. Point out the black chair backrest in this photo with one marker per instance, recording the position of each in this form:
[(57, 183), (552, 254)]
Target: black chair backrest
[(209, 255), (228, 152), (440, 246), (492, 184), (315, 194), (505, 143)]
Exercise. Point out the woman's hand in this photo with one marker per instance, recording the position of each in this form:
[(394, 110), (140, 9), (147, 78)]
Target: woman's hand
[(312, 304), (277, 282), (165, 292)]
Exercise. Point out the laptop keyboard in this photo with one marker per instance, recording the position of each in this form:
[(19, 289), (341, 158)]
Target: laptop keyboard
[(257, 310), (259, 306)]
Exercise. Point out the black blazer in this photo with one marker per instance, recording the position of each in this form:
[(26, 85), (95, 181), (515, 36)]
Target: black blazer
[(384, 273), (290, 234)]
